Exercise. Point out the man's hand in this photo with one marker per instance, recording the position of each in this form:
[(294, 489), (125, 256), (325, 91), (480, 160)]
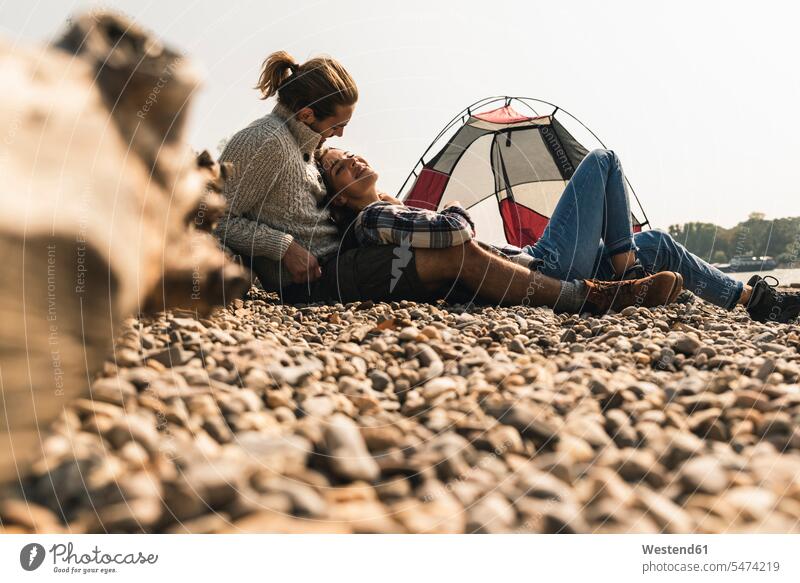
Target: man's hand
[(389, 198), (301, 264)]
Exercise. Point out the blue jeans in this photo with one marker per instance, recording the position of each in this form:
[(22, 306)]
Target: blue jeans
[(592, 222)]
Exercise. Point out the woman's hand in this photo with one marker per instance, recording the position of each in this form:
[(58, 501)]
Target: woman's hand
[(389, 198), (302, 265)]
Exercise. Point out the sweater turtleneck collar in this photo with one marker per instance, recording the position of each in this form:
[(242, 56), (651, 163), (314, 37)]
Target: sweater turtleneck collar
[(307, 139)]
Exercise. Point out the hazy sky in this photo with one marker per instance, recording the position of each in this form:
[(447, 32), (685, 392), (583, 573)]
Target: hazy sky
[(700, 99)]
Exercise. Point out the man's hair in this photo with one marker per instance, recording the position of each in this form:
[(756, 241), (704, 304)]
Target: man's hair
[(321, 83)]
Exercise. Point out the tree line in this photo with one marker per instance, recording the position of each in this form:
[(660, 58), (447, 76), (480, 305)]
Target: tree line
[(779, 238)]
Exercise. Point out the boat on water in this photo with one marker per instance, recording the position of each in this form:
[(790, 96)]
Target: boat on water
[(741, 263)]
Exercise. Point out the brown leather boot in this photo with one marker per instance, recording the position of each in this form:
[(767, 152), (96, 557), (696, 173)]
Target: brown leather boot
[(656, 290)]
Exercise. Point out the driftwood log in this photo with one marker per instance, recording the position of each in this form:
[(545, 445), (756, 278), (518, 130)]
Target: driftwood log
[(105, 213)]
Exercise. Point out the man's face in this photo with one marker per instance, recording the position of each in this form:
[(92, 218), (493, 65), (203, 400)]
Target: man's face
[(334, 125)]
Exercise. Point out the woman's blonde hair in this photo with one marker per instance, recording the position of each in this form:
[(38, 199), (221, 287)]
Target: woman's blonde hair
[(321, 83)]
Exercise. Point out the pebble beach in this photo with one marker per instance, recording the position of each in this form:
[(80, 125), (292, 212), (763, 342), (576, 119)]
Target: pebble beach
[(423, 418)]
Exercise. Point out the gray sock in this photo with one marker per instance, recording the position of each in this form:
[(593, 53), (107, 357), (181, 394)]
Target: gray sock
[(572, 297)]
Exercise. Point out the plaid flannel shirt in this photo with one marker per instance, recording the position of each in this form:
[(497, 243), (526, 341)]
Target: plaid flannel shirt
[(384, 223)]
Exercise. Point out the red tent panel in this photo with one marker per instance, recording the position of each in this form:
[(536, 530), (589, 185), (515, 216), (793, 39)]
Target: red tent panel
[(428, 190), (502, 115), (522, 225)]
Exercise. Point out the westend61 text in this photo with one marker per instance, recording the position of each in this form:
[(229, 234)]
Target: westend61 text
[(675, 550)]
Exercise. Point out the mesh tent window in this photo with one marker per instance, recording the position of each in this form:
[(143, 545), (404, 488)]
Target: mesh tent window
[(507, 168)]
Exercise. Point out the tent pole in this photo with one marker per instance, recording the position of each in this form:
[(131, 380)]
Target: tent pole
[(480, 103), (641, 208)]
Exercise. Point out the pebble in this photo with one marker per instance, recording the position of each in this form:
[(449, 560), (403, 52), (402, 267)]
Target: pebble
[(491, 514), (219, 481), (681, 447), (435, 511), (277, 453), (134, 428), (436, 388), (637, 465), (319, 407), (409, 333), (685, 344), (669, 517), (380, 380), (113, 390), (30, 516), (704, 474), (173, 356), (531, 422), (517, 346), (431, 332), (346, 452)]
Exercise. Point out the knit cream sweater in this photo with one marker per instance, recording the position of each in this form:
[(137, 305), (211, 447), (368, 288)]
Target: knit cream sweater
[(274, 193)]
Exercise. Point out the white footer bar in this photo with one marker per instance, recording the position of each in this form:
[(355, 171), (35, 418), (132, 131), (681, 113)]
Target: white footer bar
[(389, 558)]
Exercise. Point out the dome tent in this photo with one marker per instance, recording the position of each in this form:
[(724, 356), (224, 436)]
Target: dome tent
[(506, 168)]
